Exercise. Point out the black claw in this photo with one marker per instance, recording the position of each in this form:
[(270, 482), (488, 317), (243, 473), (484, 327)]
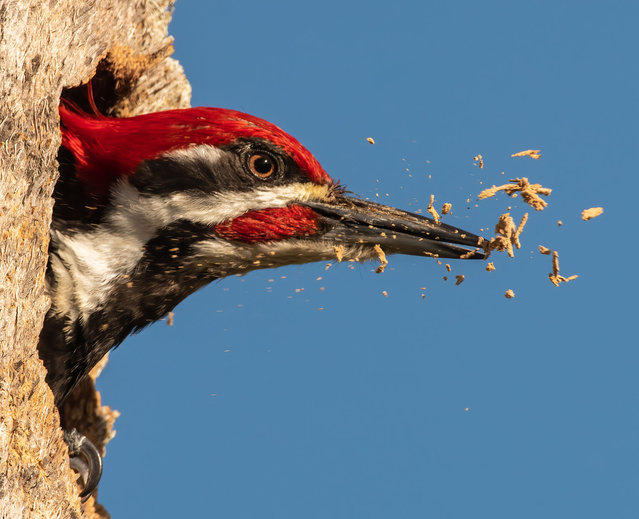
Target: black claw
[(85, 459)]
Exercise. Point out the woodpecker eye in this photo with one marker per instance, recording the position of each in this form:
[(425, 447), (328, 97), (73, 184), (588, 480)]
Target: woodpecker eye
[(262, 165)]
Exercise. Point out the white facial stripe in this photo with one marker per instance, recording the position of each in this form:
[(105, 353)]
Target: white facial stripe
[(204, 152), (207, 209)]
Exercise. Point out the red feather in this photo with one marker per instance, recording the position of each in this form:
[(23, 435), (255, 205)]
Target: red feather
[(107, 148), (270, 225)]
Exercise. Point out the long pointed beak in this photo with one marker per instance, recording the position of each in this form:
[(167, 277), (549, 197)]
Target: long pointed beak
[(352, 221)]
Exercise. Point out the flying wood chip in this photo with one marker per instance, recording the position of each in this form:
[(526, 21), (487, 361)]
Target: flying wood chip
[(382, 259), (339, 252), (490, 267), (479, 160), (533, 154), (433, 212), (509, 294), (554, 277), (507, 235), (460, 278), (529, 192), (370, 140), (589, 214), (446, 208)]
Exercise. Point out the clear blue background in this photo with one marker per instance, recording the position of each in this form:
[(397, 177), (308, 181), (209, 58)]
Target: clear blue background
[(256, 404)]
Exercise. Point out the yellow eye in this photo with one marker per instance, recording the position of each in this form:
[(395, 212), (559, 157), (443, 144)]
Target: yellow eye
[(262, 165)]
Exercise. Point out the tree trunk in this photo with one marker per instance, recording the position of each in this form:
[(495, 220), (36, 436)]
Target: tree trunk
[(47, 46)]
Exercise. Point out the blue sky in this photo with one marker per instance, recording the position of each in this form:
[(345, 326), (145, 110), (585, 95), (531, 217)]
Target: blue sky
[(460, 404)]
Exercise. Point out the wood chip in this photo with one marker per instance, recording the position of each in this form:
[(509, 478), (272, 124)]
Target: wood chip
[(382, 259), (544, 250), (479, 160), (589, 214), (460, 279), (370, 140), (533, 154), (433, 212), (520, 228), (384, 293), (446, 208), (490, 267), (559, 223), (529, 192), (339, 252), (447, 267), (509, 294), (507, 235), (554, 277), (169, 318)]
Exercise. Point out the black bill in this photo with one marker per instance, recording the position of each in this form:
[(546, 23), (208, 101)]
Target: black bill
[(353, 221)]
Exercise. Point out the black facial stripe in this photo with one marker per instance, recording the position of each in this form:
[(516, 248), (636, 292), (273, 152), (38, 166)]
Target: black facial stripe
[(228, 173)]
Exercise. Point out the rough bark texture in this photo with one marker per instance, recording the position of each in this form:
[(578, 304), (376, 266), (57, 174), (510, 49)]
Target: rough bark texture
[(47, 46)]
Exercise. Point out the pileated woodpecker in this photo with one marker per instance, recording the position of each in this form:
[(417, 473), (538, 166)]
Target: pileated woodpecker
[(151, 208)]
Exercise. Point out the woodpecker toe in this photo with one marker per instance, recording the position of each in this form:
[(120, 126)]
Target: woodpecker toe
[(85, 459)]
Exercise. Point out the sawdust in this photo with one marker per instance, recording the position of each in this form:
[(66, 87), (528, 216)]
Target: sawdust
[(370, 140), (509, 294), (446, 208), (339, 253), (533, 154), (384, 293), (544, 250), (529, 192), (479, 160), (460, 278), (490, 267), (589, 214), (382, 259), (448, 267), (433, 212), (507, 235), (554, 277)]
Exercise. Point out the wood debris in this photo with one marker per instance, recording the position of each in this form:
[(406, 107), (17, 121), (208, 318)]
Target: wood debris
[(433, 212), (507, 235), (447, 267), (169, 318), (559, 223), (446, 208), (544, 250), (490, 267), (529, 192), (509, 294), (339, 252), (554, 277), (460, 278), (370, 140), (520, 228), (382, 259), (384, 293), (589, 214), (479, 160), (533, 154)]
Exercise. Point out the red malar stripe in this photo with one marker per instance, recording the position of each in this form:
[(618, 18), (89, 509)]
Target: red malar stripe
[(270, 225)]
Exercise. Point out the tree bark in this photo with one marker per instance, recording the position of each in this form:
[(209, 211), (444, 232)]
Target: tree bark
[(47, 46)]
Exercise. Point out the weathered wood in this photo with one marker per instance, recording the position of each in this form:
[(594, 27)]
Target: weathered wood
[(46, 46)]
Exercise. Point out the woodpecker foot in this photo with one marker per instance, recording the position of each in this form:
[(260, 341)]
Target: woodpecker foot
[(85, 460)]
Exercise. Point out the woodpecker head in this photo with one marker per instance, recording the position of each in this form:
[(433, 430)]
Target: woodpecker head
[(166, 202), (254, 196)]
